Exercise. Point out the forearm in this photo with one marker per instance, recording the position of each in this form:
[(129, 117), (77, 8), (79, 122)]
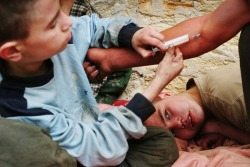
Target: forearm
[(155, 88), (191, 26), (233, 133), (227, 130), (209, 39), (120, 58), (167, 70), (215, 28), (125, 58)]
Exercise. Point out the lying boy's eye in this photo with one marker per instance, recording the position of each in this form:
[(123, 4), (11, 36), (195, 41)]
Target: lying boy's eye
[(166, 115), (53, 24)]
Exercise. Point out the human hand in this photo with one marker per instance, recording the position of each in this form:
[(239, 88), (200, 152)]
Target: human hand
[(90, 70), (93, 73), (170, 66), (97, 64), (210, 140), (145, 39)]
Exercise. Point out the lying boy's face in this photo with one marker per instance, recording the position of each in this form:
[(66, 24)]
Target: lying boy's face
[(49, 31), (180, 114)]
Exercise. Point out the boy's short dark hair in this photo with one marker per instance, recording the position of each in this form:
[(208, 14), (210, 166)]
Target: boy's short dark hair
[(15, 18)]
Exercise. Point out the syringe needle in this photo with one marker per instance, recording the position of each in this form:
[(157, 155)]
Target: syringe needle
[(177, 41)]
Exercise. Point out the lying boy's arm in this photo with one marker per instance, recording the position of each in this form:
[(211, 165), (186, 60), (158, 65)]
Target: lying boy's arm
[(168, 69), (227, 130), (102, 142)]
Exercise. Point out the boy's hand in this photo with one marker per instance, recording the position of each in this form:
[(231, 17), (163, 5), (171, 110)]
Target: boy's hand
[(170, 66), (147, 38), (168, 69)]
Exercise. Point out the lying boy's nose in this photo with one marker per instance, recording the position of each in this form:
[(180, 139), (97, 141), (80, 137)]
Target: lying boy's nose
[(179, 123), (67, 23)]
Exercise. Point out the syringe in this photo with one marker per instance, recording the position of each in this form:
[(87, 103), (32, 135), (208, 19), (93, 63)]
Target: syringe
[(177, 41)]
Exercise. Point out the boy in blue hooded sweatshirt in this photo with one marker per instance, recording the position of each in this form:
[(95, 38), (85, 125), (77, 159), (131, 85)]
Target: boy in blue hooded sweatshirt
[(43, 82)]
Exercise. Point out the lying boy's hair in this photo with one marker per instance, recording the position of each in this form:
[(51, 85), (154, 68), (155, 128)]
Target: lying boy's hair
[(15, 17)]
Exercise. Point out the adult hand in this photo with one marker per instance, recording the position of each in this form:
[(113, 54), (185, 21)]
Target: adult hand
[(145, 39), (91, 71)]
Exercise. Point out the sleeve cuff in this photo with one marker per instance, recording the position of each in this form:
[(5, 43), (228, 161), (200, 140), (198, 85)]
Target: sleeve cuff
[(126, 34), (141, 106)]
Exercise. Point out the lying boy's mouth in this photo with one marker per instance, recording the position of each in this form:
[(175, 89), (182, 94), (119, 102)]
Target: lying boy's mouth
[(191, 119)]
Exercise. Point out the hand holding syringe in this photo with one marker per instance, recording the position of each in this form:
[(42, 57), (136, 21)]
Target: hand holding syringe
[(177, 41)]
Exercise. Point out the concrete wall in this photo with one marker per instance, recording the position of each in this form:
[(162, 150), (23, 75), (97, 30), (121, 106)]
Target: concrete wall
[(162, 14)]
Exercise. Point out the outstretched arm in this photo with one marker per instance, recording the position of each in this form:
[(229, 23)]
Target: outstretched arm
[(215, 28), (225, 129)]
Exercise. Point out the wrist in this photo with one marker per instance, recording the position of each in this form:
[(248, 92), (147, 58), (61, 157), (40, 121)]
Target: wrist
[(155, 88), (126, 34), (141, 106)]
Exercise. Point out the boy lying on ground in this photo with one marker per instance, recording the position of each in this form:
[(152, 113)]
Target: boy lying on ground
[(212, 108)]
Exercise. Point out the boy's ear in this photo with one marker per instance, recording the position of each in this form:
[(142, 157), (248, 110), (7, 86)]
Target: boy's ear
[(9, 52)]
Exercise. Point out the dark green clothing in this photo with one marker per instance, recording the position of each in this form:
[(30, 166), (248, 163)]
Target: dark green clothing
[(113, 87), (23, 145), (157, 148)]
